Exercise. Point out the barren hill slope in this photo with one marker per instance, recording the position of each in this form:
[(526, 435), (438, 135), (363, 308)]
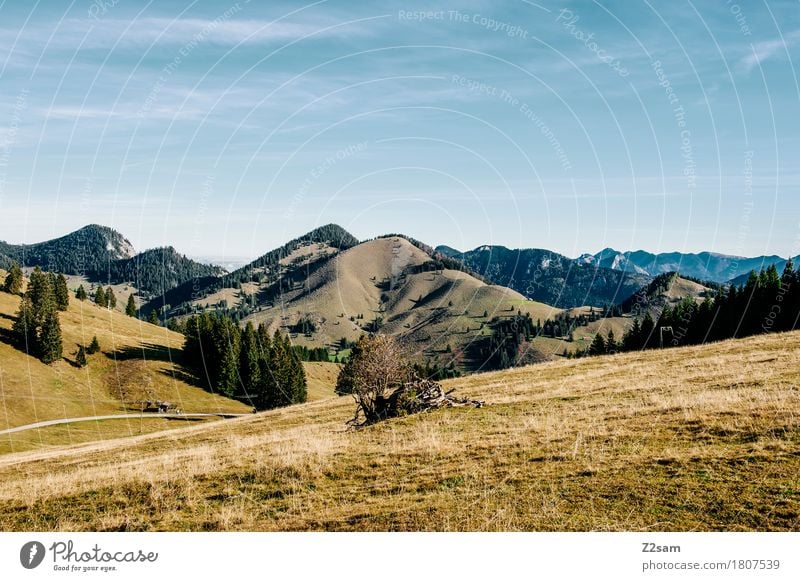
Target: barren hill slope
[(688, 439), (389, 284)]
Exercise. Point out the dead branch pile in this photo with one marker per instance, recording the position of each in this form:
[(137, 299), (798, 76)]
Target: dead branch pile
[(413, 397)]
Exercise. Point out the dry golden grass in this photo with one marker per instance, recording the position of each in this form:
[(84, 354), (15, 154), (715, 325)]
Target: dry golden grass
[(321, 379), (137, 361), (703, 438)]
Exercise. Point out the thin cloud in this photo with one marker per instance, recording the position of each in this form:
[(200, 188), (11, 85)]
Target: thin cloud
[(768, 49), (144, 32)]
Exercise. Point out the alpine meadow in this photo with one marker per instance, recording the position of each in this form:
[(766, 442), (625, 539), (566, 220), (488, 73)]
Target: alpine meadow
[(398, 267)]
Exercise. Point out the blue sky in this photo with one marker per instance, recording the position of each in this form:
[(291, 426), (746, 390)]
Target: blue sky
[(227, 128)]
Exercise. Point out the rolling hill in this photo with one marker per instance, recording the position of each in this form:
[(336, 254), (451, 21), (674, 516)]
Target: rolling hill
[(666, 289), (138, 361), (391, 285), (687, 439)]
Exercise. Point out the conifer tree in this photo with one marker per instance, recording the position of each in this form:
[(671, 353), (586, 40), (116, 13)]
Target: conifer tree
[(100, 297), (598, 346), (61, 292), (13, 282), (248, 360), (50, 347), (80, 358), (24, 326), (227, 344), (41, 294), (152, 318), (130, 308), (611, 342), (94, 346), (111, 298), (80, 294)]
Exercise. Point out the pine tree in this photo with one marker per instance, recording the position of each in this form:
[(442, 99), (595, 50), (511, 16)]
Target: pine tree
[(80, 294), (24, 326), (100, 297), (111, 298), (227, 340), (50, 347), (94, 346), (248, 360), (80, 358), (13, 282), (61, 292), (152, 318), (130, 308), (632, 339), (611, 342), (598, 346), (40, 290)]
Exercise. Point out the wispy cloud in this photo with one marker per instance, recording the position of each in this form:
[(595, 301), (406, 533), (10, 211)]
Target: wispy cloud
[(769, 49), (145, 32)]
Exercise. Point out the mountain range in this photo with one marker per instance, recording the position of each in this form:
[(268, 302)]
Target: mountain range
[(549, 277), (169, 279), (707, 266)]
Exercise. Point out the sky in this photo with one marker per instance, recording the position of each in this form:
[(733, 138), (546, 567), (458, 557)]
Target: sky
[(227, 128)]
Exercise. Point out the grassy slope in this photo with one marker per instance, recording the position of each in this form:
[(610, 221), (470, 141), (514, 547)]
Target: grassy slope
[(700, 438), (321, 379), (349, 285), (135, 355)]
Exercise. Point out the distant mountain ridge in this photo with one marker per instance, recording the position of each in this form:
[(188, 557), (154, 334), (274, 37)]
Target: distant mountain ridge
[(104, 255), (549, 277), (711, 266)]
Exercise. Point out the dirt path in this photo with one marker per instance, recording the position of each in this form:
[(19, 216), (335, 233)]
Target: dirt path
[(113, 417)]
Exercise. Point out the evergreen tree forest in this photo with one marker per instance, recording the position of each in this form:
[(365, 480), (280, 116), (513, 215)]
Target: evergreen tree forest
[(768, 302), (244, 363)]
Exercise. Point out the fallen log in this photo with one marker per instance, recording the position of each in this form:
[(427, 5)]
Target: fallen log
[(413, 397)]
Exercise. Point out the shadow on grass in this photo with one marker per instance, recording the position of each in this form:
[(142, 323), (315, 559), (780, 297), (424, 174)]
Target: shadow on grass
[(9, 338), (147, 352)]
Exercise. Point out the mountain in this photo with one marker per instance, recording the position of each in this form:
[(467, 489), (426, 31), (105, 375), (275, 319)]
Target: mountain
[(88, 250), (550, 277), (664, 290), (328, 296), (390, 284), (709, 266), (262, 279), (332, 236), (103, 255), (158, 270), (610, 258)]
